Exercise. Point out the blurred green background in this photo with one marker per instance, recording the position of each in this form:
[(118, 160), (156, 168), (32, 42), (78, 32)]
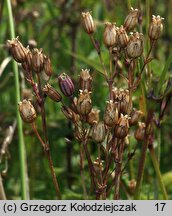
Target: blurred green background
[(55, 26)]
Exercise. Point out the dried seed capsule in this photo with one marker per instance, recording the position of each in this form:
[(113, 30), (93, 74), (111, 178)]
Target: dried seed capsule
[(140, 132), (27, 64), (122, 128), (109, 36), (85, 80), (135, 116), (124, 103), (98, 132), (131, 20), (70, 114), (37, 60), (135, 45), (111, 114), (155, 27), (17, 50), (47, 66), (93, 116), (52, 93), (66, 85), (123, 38), (88, 22), (84, 103), (27, 111)]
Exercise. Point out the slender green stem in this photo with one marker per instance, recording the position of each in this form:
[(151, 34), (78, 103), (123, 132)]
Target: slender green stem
[(22, 153), (158, 173)]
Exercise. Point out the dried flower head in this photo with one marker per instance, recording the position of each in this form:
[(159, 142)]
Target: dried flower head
[(37, 60), (27, 111), (109, 36), (52, 93), (66, 85), (17, 50), (123, 38), (98, 132), (85, 80), (135, 45), (131, 20), (88, 22), (155, 27), (84, 103)]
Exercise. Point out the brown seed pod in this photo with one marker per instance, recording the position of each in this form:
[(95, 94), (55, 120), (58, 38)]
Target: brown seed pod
[(37, 60), (122, 128), (135, 116), (84, 103), (17, 50), (111, 114), (122, 37), (85, 80), (155, 27), (88, 22), (27, 111), (109, 36), (135, 45), (98, 132), (47, 66), (66, 85), (140, 132), (52, 93), (27, 64), (131, 20), (93, 116)]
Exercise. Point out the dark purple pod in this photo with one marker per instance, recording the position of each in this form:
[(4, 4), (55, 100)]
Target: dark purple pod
[(66, 85)]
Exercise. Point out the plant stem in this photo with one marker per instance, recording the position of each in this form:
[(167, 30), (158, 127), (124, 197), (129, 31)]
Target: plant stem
[(48, 155), (158, 173), (141, 170), (22, 153), (82, 172), (99, 54), (118, 171)]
